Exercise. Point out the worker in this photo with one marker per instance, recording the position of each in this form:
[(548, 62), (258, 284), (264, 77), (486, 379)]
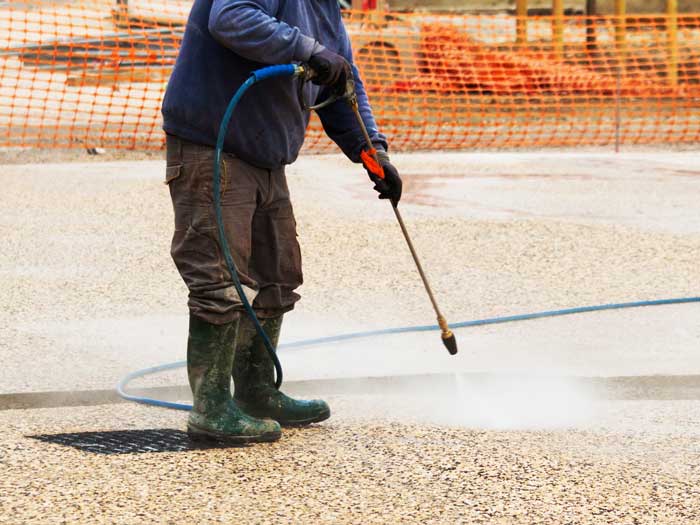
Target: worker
[(224, 41)]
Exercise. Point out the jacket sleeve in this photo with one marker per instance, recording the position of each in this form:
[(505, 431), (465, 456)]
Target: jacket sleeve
[(339, 120), (250, 29)]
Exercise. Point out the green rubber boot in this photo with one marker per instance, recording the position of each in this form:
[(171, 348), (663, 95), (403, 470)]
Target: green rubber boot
[(214, 415), (254, 382)]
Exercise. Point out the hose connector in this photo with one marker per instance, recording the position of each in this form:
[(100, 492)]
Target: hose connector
[(345, 91), (301, 71)]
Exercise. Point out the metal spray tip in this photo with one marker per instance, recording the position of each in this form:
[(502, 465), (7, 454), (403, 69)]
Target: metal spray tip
[(448, 338)]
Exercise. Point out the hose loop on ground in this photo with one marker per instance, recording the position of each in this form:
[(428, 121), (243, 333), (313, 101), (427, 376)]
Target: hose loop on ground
[(124, 383)]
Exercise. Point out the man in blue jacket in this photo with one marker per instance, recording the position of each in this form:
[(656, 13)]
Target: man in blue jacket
[(225, 40)]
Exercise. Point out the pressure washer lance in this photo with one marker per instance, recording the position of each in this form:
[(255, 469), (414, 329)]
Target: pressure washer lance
[(370, 159)]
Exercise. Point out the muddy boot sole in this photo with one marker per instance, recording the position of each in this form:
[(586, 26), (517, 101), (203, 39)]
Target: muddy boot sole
[(202, 435), (304, 422), (262, 414)]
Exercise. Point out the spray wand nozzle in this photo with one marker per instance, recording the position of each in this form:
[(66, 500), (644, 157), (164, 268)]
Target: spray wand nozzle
[(448, 337)]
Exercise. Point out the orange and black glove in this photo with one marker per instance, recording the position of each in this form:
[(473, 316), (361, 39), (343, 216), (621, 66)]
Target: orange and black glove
[(383, 173)]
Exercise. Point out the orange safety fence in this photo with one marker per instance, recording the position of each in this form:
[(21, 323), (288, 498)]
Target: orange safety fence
[(79, 74)]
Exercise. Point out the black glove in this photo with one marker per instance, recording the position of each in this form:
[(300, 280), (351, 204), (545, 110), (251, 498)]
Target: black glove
[(390, 186), (331, 69)]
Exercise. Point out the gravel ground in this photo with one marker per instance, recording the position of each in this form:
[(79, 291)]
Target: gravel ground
[(89, 293), (359, 469)]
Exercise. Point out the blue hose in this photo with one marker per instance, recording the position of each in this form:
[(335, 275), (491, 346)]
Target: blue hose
[(290, 70), (121, 387), (287, 70)]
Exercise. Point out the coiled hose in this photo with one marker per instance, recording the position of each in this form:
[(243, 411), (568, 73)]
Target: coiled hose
[(121, 387), (291, 70)]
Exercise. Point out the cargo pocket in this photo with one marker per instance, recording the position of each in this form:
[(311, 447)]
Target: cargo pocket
[(172, 173), (198, 258), (289, 250), (292, 266)]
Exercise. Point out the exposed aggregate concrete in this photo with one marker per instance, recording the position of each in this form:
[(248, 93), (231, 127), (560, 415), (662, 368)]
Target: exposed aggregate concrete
[(357, 468), (89, 293)]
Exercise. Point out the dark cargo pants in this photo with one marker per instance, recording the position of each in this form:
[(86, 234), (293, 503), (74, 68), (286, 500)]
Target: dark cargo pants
[(260, 230)]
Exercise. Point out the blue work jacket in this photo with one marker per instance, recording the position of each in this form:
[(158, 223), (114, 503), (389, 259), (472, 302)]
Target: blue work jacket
[(224, 41)]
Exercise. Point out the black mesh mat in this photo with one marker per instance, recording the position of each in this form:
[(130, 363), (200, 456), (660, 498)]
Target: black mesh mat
[(129, 441)]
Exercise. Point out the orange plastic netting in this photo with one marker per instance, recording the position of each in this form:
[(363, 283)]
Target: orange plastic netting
[(78, 74)]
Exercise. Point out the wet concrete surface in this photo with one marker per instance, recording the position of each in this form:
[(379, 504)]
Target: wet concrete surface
[(645, 388), (91, 293), (647, 191)]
